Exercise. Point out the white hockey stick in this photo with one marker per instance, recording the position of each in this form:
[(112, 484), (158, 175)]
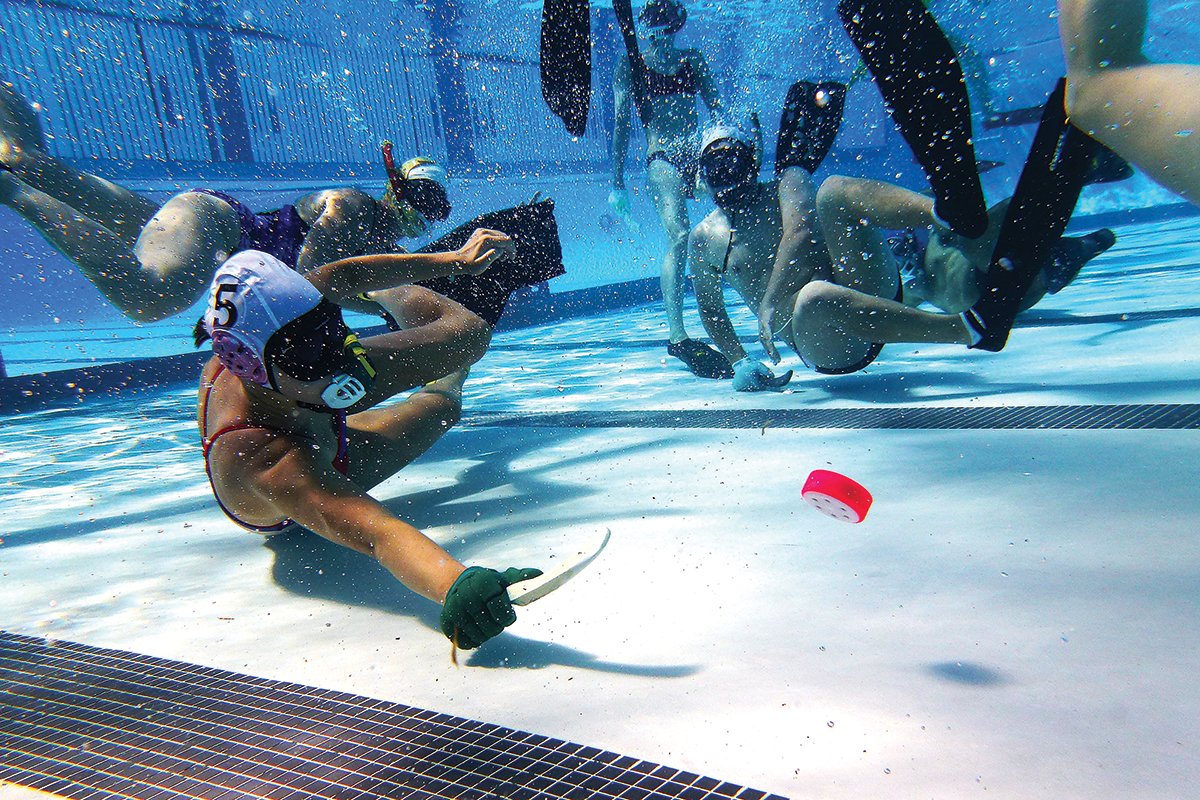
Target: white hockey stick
[(525, 592)]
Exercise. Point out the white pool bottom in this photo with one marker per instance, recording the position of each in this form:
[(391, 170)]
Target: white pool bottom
[(1016, 617)]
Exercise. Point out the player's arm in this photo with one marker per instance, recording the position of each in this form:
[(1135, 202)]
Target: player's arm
[(346, 279), (327, 503), (801, 250), (710, 297), (706, 84)]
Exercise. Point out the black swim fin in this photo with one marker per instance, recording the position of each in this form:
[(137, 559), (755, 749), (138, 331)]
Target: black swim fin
[(1047, 191), (923, 87), (537, 258), (812, 116), (637, 67), (1071, 254), (566, 61)]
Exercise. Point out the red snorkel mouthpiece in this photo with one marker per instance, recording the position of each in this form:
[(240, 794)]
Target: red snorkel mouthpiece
[(389, 165)]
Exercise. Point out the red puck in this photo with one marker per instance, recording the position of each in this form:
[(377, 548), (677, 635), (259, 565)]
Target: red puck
[(837, 496)]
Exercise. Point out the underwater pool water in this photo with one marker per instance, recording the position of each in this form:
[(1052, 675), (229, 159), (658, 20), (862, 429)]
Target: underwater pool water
[(1006, 609), (1016, 614)]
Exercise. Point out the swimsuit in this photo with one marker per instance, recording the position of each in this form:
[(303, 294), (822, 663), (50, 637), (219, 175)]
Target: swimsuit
[(682, 157), (909, 250), (681, 81), (341, 460), (684, 162), (280, 233)]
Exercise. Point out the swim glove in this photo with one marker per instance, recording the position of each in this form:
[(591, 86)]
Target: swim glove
[(477, 606), (618, 201), (750, 375)]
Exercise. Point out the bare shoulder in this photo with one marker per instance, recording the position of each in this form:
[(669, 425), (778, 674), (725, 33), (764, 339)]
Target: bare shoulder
[(310, 206), (257, 459)]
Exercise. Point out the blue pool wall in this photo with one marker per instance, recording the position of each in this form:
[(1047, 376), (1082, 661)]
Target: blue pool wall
[(169, 96)]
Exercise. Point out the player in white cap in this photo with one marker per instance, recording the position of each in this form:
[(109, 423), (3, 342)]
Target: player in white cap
[(287, 412)]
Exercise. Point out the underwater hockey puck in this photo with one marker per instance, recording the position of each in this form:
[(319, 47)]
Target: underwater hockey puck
[(837, 496)]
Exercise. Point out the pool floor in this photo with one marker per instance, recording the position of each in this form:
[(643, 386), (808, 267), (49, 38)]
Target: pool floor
[(1016, 617)]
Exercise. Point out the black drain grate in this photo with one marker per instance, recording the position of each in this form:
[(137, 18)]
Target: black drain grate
[(1146, 416), (84, 722)]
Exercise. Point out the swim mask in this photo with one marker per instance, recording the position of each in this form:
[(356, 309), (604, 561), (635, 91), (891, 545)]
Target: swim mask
[(262, 314), (663, 17), (728, 164), (420, 182)]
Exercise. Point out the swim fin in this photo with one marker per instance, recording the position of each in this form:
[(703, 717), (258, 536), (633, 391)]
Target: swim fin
[(1071, 254), (566, 61), (812, 115), (537, 258), (1047, 191), (637, 67), (923, 87)]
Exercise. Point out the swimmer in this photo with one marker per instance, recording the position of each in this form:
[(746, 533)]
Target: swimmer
[(1148, 113), (288, 408), (817, 271), (919, 75), (663, 84), (152, 261)]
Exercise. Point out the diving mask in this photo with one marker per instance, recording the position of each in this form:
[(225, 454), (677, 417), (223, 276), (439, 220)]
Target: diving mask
[(320, 346), (730, 169), (419, 184)]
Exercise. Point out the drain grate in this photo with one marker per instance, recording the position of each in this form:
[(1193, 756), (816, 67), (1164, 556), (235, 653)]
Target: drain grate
[(84, 722), (1147, 416)]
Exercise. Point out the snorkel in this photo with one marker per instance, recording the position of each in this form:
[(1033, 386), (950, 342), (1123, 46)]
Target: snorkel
[(662, 20), (418, 189)]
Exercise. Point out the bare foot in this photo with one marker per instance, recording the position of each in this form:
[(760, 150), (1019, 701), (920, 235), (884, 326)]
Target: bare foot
[(450, 386)]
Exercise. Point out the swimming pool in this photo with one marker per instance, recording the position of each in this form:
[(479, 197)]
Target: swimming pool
[(1016, 615), (1012, 615)]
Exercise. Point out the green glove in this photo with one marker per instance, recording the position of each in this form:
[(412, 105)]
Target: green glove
[(477, 605)]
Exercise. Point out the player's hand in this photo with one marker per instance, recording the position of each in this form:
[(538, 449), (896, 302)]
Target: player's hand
[(618, 201), (482, 250), (751, 375), (477, 606)]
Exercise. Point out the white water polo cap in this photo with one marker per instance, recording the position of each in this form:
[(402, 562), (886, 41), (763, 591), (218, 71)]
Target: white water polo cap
[(723, 131), (421, 168), (253, 295)]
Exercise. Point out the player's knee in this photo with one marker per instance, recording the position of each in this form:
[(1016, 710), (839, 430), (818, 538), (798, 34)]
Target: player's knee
[(818, 301), (836, 196), (476, 336)]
